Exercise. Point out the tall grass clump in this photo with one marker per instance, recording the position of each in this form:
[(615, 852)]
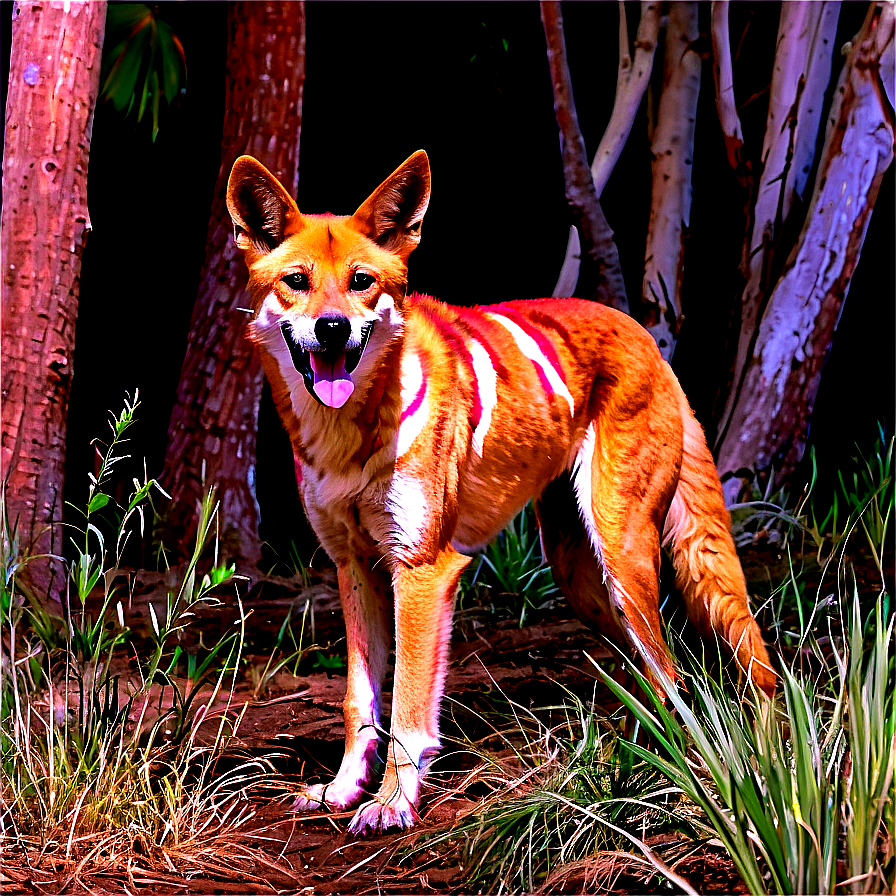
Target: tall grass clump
[(101, 753), (562, 792), (790, 785)]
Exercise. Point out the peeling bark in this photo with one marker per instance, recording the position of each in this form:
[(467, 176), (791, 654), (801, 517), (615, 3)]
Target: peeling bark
[(632, 78), (806, 34), (607, 287), (672, 152), (213, 429), (770, 421), (53, 84)]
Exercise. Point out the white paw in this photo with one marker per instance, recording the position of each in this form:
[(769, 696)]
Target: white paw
[(375, 817), (334, 796)]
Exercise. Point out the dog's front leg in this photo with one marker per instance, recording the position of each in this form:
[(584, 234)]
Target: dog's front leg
[(424, 603), (365, 592)]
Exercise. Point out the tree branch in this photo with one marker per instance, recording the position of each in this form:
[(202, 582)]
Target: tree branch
[(723, 76), (609, 287), (632, 77)]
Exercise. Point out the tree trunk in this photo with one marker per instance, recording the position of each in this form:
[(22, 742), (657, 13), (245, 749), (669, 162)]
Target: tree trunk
[(769, 422), (801, 76), (53, 84), (672, 156), (603, 274), (213, 429)]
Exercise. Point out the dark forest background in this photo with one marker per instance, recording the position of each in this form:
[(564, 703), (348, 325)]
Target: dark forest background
[(469, 83)]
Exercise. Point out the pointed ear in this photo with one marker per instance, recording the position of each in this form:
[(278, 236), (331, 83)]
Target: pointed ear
[(260, 207), (392, 214)]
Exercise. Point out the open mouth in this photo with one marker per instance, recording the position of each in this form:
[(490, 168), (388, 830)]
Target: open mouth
[(326, 374)]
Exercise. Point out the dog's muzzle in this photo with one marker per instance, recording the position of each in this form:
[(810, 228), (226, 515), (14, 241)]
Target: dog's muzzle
[(327, 372)]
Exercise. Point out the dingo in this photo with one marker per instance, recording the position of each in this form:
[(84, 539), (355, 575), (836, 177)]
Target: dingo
[(420, 429)]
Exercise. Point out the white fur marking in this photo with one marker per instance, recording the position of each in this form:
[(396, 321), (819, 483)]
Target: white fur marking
[(582, 482), (266, 327), (487, 380), (406, 504), (411, 382), (412, 745), (529, 347)]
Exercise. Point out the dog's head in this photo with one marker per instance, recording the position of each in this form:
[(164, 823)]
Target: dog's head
[(327, 287)]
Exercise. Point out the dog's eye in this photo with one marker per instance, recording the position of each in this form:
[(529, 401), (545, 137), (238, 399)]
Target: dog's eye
[(361, 281), (297, 281)]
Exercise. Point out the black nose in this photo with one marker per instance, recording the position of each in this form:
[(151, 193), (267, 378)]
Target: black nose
[(332, 331)]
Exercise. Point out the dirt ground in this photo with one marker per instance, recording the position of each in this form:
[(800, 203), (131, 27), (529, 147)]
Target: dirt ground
[(296, 722)]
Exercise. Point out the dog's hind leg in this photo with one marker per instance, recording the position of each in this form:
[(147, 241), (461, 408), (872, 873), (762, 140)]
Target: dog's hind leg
[(575, 566), (365, 591), (623, 483), (578, 572)]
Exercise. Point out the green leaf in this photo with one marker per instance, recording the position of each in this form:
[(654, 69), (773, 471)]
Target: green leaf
[(173, 67), (156, 99), (122, 80), (97, 502)]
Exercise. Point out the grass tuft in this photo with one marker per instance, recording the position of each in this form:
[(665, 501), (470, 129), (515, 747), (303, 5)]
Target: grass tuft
[(103, 758)]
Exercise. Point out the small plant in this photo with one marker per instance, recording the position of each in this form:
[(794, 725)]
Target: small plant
[(144, 62), (292, 563), (863, 500), (512, 570), (289, 650), (869, 494), (96, 750)]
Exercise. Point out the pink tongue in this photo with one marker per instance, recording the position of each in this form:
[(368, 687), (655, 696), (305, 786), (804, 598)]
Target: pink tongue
[(332, 384)]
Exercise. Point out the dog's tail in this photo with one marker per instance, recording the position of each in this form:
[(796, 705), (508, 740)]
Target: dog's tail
[(707, 570)]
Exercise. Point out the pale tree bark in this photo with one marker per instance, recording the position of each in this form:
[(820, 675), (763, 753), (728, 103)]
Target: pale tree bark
[(672, 155), (213, 429), (632, 78), (53, 85), (769, 423), (801, 76), (603, 271), (723, 77)]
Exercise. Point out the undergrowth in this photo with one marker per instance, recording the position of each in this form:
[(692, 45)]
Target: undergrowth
[(510, 578), (108, 751)]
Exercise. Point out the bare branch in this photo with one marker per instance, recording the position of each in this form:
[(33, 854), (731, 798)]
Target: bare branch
[(670, 201), (724, 83), (769, 425), (806, 34), (609, 287), (631, 82)]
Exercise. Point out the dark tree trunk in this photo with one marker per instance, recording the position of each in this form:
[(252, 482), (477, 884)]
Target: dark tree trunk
[(53, 84), (601, 276), (212, 434)]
